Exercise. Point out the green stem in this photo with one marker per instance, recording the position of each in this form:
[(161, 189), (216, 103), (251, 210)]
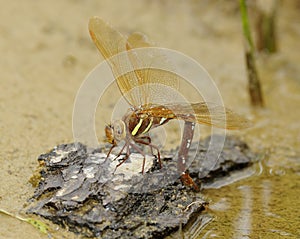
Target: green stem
[(246, 26), (253, 79)]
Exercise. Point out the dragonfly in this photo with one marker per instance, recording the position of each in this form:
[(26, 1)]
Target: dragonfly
[(141, 88)]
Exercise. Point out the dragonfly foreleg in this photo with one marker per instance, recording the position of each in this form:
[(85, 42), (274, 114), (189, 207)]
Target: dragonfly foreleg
[(109, 152), (123, 159), (121, 151)]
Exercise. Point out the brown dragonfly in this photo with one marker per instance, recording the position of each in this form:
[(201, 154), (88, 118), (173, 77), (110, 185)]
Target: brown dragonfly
[(140, 87)]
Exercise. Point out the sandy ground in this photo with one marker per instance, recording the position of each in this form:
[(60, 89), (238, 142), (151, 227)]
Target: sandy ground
[(46, 52)]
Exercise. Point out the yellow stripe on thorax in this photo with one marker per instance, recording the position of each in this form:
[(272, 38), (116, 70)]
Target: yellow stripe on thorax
[(137, 127), (149, 126)]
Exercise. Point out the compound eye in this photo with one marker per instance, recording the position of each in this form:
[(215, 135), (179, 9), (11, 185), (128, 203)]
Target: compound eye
[(119, 129)]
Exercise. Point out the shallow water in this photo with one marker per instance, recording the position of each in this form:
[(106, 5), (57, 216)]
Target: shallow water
[(46, 53)]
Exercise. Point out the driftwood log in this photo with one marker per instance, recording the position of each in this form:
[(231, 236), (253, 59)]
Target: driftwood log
[(80, 190)]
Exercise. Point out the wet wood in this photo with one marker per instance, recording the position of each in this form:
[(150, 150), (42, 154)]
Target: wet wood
[(80, 189)]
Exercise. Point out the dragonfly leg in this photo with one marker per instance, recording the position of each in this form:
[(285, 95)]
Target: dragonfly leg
[(142, 153), (151, 147), (149, 142), (111, 148), (125, 158), (121, 151)]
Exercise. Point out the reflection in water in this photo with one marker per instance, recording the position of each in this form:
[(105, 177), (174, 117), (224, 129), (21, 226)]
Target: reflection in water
[(258, 207), (233, 177), (260, 168), (222, 205), (242, 227), (265, 197), (197, 227)]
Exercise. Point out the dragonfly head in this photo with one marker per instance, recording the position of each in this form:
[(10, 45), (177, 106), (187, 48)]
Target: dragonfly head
[(115, 132)]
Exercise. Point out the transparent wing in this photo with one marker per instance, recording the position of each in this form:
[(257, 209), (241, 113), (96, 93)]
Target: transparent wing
[(201, 113), (110, 43), (138, 86), (157, 82)]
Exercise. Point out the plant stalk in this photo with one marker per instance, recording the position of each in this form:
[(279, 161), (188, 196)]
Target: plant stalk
[(254, 87)]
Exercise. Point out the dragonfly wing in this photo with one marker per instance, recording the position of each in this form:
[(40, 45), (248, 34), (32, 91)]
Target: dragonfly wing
[(111, 43), (202, 113), (219, 116), (157, 82), (108, 41), (138, 86)]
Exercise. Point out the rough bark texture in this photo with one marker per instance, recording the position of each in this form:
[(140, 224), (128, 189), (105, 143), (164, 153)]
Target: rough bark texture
[(77, 189)]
